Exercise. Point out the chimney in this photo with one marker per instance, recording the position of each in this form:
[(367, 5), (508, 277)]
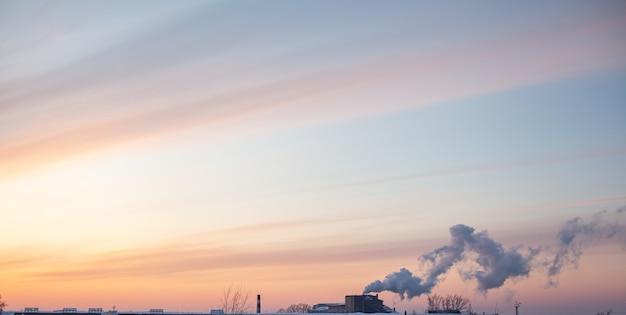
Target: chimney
[(258, 304)]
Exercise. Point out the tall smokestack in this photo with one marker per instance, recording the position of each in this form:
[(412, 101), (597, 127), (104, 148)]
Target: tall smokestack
[(258, 304)]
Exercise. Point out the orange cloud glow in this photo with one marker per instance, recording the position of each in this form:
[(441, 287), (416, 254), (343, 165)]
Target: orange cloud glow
[(439, 76)]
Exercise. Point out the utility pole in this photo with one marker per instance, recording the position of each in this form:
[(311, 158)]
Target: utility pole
[(517, 304)]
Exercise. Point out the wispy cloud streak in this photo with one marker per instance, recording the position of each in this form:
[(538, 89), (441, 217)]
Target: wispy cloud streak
[(181, 258), (495, 264), (492, 168), (96, 108)]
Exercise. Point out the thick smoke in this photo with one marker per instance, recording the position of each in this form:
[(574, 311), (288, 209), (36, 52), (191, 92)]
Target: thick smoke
[(495, 264), (574, 234), (402, 282)]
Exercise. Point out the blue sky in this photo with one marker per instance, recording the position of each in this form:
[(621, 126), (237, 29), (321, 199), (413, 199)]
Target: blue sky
[(211, 142)]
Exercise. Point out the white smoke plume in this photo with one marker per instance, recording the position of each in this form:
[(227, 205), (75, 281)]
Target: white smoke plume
[(574, 234), (402, 282), (495, 264)]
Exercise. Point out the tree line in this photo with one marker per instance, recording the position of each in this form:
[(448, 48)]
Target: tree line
[(296, 308), (448, 304), (235, 300)]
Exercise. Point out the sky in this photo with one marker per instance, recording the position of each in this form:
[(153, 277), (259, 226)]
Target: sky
[(153, 153)]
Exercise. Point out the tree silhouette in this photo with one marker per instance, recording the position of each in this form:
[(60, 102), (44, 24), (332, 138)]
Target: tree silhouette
[(235, 299), (2, 304), (296, 308), (449, 304)]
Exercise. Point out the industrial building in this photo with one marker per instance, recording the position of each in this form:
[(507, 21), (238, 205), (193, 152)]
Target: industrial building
[(328, 308), (90, 311), (354, 304), (365, 304)]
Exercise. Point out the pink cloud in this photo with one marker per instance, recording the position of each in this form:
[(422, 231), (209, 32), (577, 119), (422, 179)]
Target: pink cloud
[(396, 82)]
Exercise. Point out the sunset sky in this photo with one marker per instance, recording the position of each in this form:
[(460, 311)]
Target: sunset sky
[(154, 152)]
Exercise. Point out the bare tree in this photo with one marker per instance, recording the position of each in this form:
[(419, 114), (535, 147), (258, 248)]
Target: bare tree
[(235, 299), (434, 303), (296, 308), (458, 303), (2, 304), (449, 304), (605, 313)]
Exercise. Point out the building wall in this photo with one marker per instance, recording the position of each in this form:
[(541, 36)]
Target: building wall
[(365, 304)]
